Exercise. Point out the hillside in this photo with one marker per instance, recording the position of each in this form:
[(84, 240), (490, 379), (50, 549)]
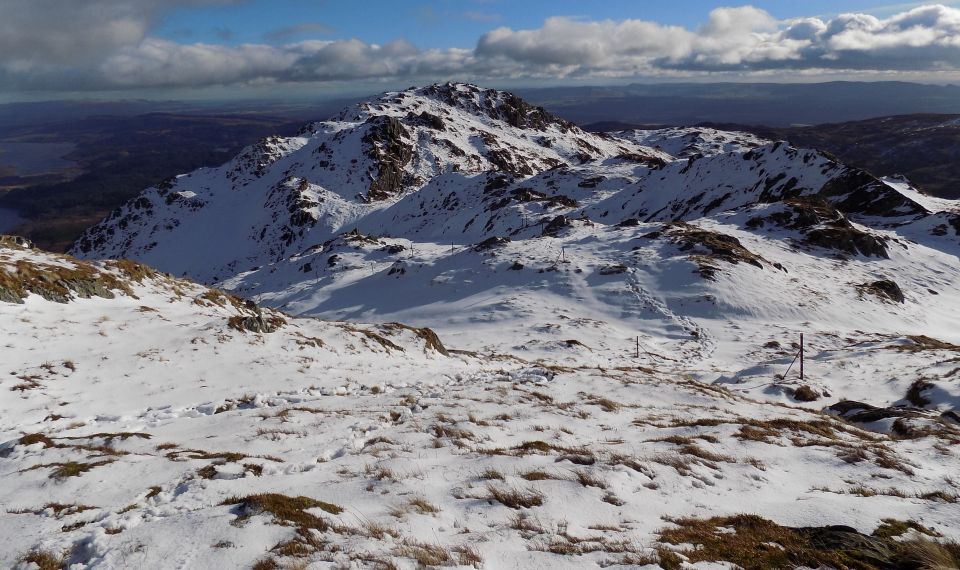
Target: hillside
[(154, 422), (596, 367), (922, 147)]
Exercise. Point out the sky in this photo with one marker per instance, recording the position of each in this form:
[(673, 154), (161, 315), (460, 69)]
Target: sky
[(289, 48)]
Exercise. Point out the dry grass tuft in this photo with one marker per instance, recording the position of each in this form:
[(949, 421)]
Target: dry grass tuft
[(468, 556), (589, 480), (45, 559), (425, 554), (491, 473), (537, 475), (418, 505), (515, 498)]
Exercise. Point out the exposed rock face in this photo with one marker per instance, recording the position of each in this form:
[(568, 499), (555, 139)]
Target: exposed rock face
[(858, 192), (256, 322), (386, 142), (823, 225)]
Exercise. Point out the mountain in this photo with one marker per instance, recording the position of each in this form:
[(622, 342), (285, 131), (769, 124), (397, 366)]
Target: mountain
[(478, 212), (597, 366), (921, 147)]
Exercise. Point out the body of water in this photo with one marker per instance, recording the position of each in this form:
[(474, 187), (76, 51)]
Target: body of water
[(9, 219), (29, 159)]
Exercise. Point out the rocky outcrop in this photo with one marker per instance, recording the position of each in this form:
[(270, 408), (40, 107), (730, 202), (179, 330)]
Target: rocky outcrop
[(386, 143)]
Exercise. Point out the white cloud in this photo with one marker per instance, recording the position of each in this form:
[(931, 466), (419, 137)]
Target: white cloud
[(106, 44)]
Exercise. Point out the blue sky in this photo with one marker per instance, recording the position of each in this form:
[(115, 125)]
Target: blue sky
[(279, 48)]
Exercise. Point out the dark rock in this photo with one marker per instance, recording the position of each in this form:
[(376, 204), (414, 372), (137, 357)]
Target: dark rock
[(858, 192), (591, 182), (256, 322), (867, 549), (861, 412), (884, 289), (613, 269), (849, 240), (384, 143), (577, 459), (955, 222), (556, 224), (15, 242), (491, 243)]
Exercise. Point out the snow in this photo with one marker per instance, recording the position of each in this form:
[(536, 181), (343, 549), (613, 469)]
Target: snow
[(597, 344)]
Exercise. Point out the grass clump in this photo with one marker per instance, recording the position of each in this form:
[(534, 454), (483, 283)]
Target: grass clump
[(44, 559), (515, 498), (425, 554), (491, 473), (537, 475), (69, 468), (891, 528), (589, 480), (754, 543), (285, 510), (417, 505)]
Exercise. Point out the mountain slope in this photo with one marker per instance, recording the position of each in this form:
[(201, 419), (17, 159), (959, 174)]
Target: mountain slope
[(152, 422)]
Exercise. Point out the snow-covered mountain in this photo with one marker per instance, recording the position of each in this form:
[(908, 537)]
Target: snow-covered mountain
[(469, 211), (618, 318)]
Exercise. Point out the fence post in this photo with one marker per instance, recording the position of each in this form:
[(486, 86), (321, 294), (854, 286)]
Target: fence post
[(801, 357)]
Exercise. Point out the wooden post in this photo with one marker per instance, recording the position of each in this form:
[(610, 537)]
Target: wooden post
[(562, 253), (801, 357), (638, 347)]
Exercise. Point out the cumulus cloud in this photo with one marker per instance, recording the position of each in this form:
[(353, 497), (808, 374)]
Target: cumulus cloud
[(744, 38), (107, 44), (61, 32), (161, 63)]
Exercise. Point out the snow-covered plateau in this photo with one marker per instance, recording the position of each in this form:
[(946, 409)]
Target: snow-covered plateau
[(449, 329)]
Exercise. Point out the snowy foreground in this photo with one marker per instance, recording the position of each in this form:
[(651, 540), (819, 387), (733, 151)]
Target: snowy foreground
[(140, 429), (604, 381)]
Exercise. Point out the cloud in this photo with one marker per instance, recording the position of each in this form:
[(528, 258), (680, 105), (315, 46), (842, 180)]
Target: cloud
[(58, 32), (107, 45), (162, 63), (734, 39)]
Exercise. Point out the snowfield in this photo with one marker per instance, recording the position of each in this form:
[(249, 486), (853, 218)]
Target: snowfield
[(596, 366)]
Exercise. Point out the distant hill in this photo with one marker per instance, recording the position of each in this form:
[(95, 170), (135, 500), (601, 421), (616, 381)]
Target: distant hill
[(771, 104), (923, 147)]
